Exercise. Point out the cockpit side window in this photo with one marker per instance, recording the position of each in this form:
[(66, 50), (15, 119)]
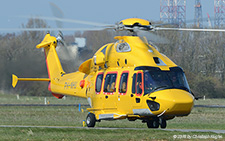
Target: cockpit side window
[(98, 83), (178, 78), (139, 84), (123, 83)]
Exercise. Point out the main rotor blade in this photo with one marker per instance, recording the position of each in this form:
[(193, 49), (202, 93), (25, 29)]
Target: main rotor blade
[(153, 37), (71, 21), (50, 29), (190, 29), (57, 12)]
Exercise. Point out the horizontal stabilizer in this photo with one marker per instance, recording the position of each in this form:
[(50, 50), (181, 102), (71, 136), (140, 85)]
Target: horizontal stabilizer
[(44, 44), (15, 80)]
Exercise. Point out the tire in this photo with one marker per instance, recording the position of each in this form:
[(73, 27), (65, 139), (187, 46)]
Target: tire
[(163, 124), (90, 120), (153, 123)]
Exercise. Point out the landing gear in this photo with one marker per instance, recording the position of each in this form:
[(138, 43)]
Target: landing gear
[(163, 123), (90, 120), (154, 123)]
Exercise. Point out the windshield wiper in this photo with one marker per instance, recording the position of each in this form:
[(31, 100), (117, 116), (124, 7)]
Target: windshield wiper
[(160, 87)]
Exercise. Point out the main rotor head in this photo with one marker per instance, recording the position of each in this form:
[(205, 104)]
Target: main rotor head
[(134, 25)]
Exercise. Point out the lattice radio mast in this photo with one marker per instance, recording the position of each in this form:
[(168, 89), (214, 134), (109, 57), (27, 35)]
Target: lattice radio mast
[(198, 14), (173, 12), (219, 13)]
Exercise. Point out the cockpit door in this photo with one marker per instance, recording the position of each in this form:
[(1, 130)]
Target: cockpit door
[(137, 88)]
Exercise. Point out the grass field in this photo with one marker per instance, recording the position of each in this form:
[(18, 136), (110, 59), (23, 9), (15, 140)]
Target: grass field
[(12, 99), (200, 118)]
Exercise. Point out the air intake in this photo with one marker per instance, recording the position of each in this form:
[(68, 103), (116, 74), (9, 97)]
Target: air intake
[(158, 61)]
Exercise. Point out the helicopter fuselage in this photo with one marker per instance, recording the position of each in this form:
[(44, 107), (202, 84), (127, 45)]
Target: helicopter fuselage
[(129, 79), (126, 79)]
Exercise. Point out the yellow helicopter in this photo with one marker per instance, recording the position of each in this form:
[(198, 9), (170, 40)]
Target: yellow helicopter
[(127, 79)]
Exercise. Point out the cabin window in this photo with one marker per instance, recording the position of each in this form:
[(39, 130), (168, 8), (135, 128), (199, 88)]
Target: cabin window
[(123, 83), (98, 82), (110, 82), (134, 83)]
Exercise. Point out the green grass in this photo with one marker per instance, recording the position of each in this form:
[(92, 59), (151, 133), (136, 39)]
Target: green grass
[(92, 134), (12, 99), (210, 102), (200, 118)]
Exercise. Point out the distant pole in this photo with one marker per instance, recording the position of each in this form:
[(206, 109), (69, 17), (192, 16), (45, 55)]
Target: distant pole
[(79, 108), (18, 96), (45, 101)]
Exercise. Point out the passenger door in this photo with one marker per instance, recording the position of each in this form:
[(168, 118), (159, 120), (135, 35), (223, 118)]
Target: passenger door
[(110, 91)]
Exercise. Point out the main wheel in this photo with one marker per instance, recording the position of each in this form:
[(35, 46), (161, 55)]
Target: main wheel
[(163, 123), (153, 123), (90, 120)]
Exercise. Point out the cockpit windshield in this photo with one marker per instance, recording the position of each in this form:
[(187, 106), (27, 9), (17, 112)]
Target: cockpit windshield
[(156, 79)]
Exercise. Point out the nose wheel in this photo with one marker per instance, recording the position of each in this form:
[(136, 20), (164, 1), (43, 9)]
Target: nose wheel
[(163, 123), (154, 123), (90, 120)]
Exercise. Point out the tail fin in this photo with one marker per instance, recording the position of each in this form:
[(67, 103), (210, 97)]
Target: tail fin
[(54, 66)]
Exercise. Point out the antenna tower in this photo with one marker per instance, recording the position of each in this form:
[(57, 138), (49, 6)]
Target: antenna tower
[(173, 12), (219, 13), (198, 14)]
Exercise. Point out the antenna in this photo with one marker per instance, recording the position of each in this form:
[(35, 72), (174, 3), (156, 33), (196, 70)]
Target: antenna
[(173, 12), (219, 13), (198, 14)]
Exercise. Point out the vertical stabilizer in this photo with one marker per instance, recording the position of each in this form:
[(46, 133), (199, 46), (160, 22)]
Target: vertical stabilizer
[(54, 66)]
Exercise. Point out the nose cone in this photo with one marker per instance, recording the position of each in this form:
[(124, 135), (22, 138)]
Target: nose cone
[(174, 102)]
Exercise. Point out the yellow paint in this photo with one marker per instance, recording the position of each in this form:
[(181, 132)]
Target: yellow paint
[(15, 79), (132, 21), (84, 124), (111, 59)]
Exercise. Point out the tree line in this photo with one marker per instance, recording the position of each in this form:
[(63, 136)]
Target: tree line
[(200, 54)]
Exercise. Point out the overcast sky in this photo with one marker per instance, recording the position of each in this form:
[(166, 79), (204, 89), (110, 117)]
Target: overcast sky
[(103, 11)]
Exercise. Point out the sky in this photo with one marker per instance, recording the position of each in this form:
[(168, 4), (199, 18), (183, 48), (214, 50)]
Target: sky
[(102, 11)]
